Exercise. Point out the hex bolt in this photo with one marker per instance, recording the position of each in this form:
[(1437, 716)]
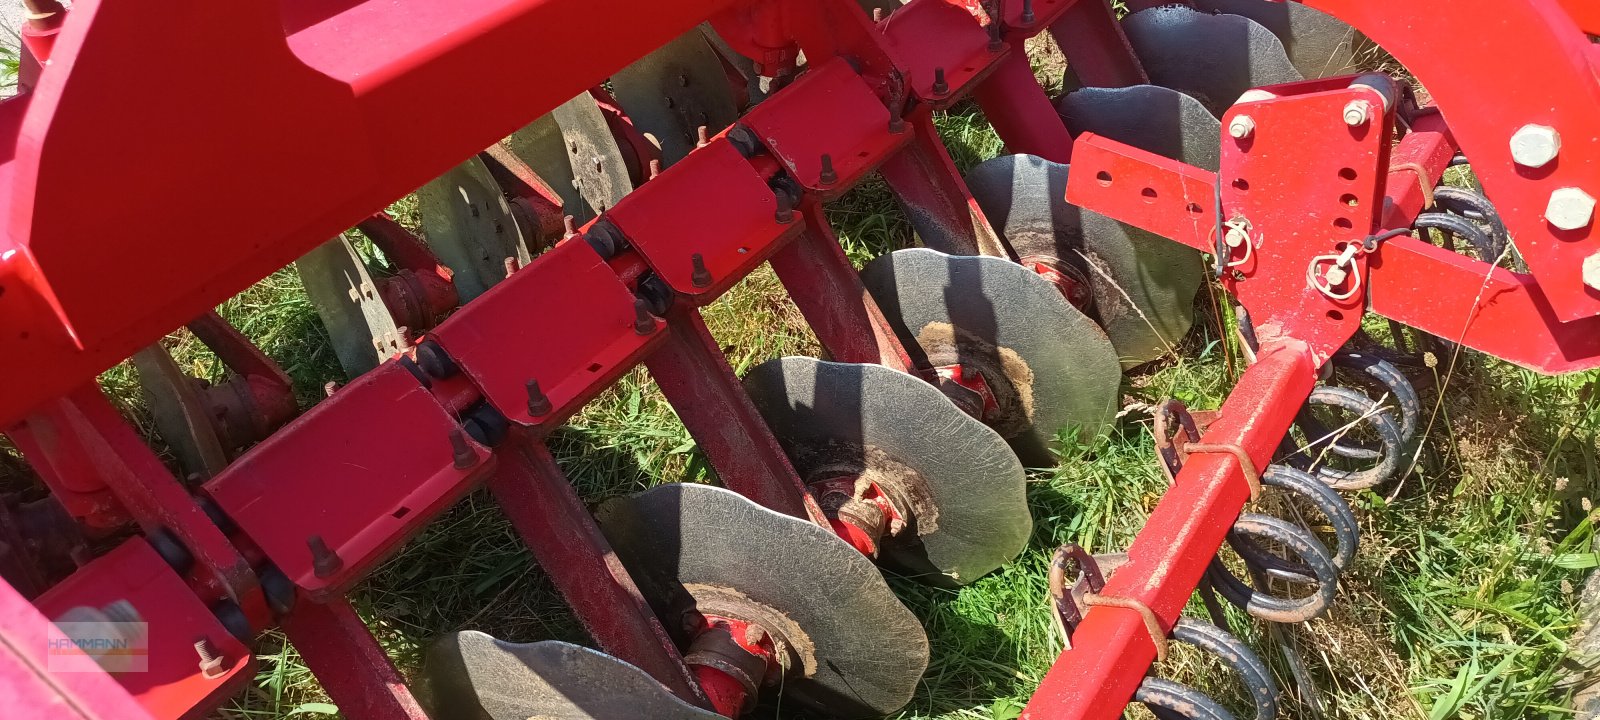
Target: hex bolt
[(1570, 209), (324, 561), (210, 659), (644, 322), (330, 387), (940, 87), (827, 176), (1027, 12), (1357, 112), (538, 404), (1242, 127), (461, 451), (1535, 146), (511, 267), (701, 277), (877, 15), (569, 226), (785, 211), (702, 137), (655, 167), (897, 102), (1591, 271), (683, 80)]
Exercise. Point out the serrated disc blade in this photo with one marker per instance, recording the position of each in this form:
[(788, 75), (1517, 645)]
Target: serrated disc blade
[(1214, 58), (475, 676), (690, 546), (1050, 367), (964, 484), (1318, 44), (1149, 117), (1143, 285)]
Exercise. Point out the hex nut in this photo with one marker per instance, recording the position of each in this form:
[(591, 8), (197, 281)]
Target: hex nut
[(1570, 209), (1535, 146), (1591, 271), (1357, 112), (1243, 126)]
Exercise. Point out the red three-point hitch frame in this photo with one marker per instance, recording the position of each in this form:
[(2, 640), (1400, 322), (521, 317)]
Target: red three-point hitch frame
[(312, 110)]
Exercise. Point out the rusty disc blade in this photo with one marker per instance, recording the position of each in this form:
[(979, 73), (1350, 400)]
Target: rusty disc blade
[(468, 225), (1051, 368), (969, 512), (1142, 285), (179, 413), (1318, 44), (856, 651), (346, 297), (1214, 58), (674, 90), (475, 676), (573, 151)]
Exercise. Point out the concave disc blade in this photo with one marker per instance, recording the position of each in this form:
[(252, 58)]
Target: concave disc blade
[(468, 225), (180, 415), (1143, 285), (573, 151), (1318, 44), (861, 653), (1149, 117), (347, 299), (1050, 367), (474, 676), (1214, 58), (674, 90), (964, 485)]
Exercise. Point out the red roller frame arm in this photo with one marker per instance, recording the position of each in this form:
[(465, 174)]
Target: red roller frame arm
[(304, 117)]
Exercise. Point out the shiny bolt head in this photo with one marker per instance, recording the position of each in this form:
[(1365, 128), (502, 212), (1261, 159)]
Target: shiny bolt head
[(1591, 271), (1243, 126), (1570, 209), (1535, 146), (1357, 112)]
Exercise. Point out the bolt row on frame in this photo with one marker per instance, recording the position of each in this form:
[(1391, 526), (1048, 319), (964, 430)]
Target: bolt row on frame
[(322, 114)]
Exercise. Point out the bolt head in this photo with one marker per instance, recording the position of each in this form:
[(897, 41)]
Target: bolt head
[(1243, 126), (1535, 146), (1591, 271), (1570, 209), (1357, 112)]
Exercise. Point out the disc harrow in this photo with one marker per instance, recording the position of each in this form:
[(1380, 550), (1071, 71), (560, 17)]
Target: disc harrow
[(568, 230)]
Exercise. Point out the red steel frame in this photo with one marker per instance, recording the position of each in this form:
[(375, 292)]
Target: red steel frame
[(346, 77)]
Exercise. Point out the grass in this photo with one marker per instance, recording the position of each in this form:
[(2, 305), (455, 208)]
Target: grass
[(1460, 605)]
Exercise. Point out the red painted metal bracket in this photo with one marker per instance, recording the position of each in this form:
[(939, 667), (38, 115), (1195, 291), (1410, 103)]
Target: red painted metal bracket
[(829, 111), (1451, 54), (382, 461), (174, 685), (32, 692), (719, 209), (354, 71), (515, 334)]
